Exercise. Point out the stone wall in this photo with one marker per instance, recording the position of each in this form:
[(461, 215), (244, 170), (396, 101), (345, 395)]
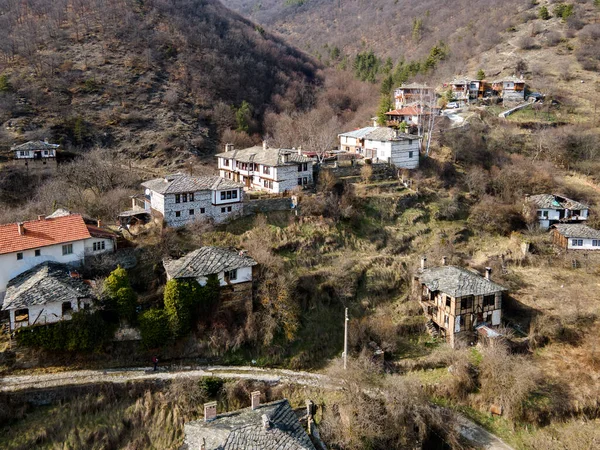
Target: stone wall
[(267, 205)]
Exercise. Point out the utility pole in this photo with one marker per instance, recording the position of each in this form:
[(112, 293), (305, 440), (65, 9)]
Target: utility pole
[(346, 339)]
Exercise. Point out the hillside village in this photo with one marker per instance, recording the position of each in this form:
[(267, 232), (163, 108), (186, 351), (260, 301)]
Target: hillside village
[(302, 270)]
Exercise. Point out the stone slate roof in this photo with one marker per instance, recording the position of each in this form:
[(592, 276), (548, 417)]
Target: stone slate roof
[(206, 261), (360, 133), (35, 145), (577, 230), (180, 183), (388, 134), (511, 78), (269, 156), (244, 430), (48, 282), (555, 201), (457, 281)]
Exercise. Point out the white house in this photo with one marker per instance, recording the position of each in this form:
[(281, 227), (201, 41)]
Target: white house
[(575, 236), (407, 94), (36, 154), (47, 293), (181, 199), (265, 168), (230, 266), (554, 208), (24, 245), (384, 144), (354, 141)]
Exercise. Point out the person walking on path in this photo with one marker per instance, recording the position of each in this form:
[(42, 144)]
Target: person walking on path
[(155, 362)]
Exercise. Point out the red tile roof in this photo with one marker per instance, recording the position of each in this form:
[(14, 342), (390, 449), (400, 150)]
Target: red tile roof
[(41, 233), (406, 111)]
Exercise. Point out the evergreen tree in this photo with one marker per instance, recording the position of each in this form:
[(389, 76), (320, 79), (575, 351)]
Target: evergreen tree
[(243, 116), (543, 13), (154, 328), (179, 298), (480, 74), (385, 105)]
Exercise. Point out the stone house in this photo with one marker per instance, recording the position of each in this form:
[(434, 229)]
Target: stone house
[(407, 94), (180, 199), (354, 141), (270, 426), (233, 268), (396, 148), (575, 236), (457, 300), (47, 293), (264, 168), (61, 239), (554, 208), (511, 89), (36, 155)]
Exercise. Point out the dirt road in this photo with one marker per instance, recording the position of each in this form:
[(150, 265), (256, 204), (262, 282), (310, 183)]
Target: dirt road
[(469, 430)]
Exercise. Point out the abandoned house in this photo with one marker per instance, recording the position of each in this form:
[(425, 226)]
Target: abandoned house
[(61, 239), (457, 300), (36, 155), (553, 208), (407, 94), (270, 426), (180, 199), (511, 89), (391, 146), (264, 168), (47, 293), (575, 236), (233, 268)]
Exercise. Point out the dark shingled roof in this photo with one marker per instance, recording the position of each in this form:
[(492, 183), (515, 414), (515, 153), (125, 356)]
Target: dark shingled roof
[(48, 282), (244, 430), (206, 261), (457, 281), (269, 157), (179, 183), (555, 201), (35, 145), (577, 230), (388, 134)]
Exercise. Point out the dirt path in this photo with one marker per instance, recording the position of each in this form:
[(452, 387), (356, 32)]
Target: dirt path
[(469, 430)]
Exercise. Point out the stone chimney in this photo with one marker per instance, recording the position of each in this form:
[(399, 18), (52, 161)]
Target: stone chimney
[(264, 145), (285, 157), (21, 228), (300, 151), (255, 399), (229, 147), (423, 262), (444, 260), (210, 411), (40, 217), (99, 223), (266, 422), (488, 273)]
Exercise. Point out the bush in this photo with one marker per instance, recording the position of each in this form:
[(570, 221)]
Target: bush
[(526, 43), (154, 327), (117, 279), (122, 297), (126, 303), (495, 218), (543, 13), (563, 10), (179, 298), (5, 85)]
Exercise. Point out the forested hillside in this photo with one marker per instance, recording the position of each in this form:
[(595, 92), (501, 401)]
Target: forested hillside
[(154, 78)]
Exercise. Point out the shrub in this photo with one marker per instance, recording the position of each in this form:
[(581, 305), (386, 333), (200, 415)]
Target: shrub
[(526, 43), (5, 85), (154, 328), (117, 279), (179, 298), (563, 10), (495, 218), (126, 303), (543, 13)]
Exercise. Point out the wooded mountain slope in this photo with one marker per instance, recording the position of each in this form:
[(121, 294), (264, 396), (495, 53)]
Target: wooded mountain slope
[(152, 77)]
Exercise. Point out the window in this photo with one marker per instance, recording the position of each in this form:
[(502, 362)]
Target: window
[(177, 213), (466, 302), (305, 166), (489, 300), (184, 198), (545, 214), (177, 198), (38, 252), (410, 155), (191, 212), (233, 194), (231, 275), (225, 162), (67, 249), (229, 209), (577, 242), (22, 153), (595, 242), (19, 256), (266, 170), (300, 167), (305, 180), (46, 152), (223, 210), (67, 308), (299, 181), (99, 245), (22, 315), (228, 195), (410, 142), (223, 195), (448, 301), (191, 195), (201, 210)]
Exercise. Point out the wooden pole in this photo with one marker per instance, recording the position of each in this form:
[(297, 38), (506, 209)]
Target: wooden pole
[(346, 339)]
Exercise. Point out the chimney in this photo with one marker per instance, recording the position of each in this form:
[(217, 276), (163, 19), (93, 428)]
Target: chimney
[(255, 399), (99, 223), (264, 145), (40, 217), (444, 260), (285, 157), (423, 262), (310, 408), (229, 147), (488, 273), (266, 422), (210, 411), (300, 151), (21, 228)]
